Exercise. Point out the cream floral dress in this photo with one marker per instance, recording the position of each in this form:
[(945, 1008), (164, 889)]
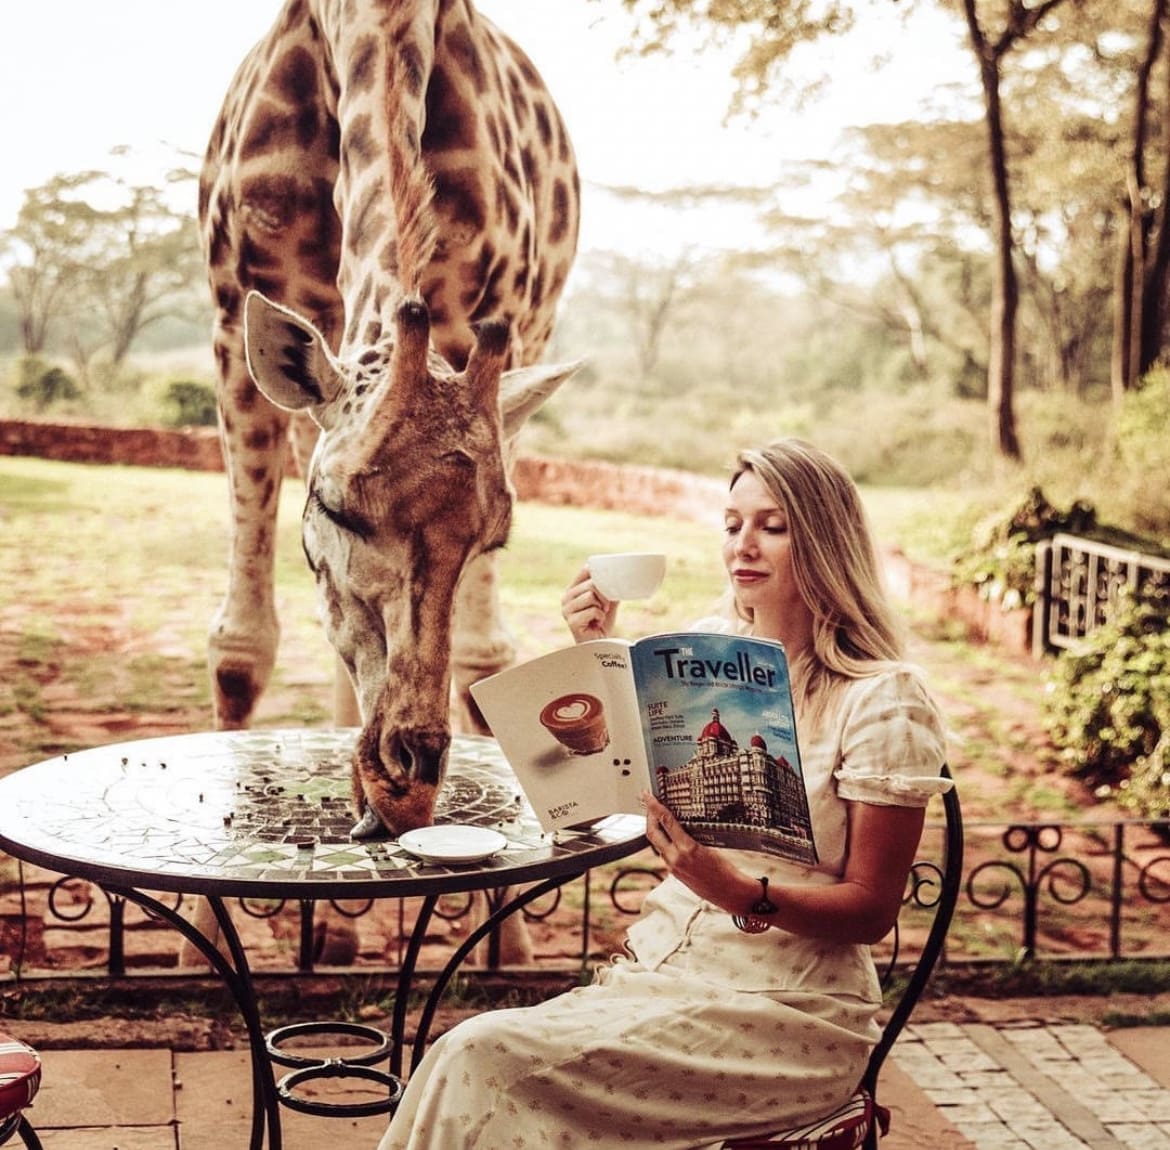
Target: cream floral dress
[(702, 1032)]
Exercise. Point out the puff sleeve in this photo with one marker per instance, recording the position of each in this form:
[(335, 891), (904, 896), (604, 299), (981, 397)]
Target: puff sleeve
[(893, 742)]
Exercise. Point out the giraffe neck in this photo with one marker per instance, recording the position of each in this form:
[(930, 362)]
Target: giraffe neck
[(383, 194)]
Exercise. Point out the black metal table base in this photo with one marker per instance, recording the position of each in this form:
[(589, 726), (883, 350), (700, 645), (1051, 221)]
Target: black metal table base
[(309, 1068), (266, 815)]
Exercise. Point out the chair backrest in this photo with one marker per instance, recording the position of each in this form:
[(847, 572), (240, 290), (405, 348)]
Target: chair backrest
[(933, 886)]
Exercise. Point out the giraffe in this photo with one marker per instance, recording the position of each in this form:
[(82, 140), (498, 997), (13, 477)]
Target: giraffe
[(389, 212)]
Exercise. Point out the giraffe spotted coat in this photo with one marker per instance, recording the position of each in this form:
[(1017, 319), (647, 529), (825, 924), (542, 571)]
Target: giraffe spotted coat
[(389, 207)]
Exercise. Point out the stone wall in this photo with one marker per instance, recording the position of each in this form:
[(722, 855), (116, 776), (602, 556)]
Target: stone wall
[(195, 448), (933, 592), (639, 490)]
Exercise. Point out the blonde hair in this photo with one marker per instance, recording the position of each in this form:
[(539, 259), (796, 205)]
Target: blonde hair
[(856, 632)]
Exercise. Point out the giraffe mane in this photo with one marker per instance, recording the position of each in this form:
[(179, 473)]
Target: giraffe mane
[(416, 227)]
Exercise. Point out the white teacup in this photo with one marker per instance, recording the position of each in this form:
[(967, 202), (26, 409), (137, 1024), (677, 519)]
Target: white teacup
[(627, 574)]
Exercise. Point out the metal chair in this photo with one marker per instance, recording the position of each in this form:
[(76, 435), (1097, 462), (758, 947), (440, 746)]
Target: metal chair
[(20, 1078), (933, 886)]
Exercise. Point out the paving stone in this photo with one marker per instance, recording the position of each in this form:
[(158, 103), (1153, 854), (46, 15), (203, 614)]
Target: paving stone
[(1066, 1087), (1142, 1136), (992, 1137), (83, 1088), (113, 1138), (1017, 1107), (214, 1106)]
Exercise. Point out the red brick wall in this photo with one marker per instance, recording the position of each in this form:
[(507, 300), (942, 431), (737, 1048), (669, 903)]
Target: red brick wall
[(642, 490), (196, 449)]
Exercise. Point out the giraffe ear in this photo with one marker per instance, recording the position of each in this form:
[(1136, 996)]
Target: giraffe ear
[(524, 390), (287, 356)]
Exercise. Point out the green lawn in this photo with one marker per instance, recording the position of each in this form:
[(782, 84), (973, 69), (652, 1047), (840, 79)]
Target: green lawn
[(110, 576)]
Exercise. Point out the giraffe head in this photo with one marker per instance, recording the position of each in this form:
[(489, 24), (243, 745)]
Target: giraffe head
[(408, 484)]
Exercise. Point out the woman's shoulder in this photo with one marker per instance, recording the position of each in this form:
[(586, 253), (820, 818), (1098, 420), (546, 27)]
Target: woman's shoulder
[(889, 682), (889, 720)]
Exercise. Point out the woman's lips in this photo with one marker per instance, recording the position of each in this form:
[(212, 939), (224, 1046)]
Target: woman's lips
[(742, 575)]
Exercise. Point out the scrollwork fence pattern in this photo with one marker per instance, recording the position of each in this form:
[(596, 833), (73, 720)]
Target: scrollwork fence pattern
[(1038, 890)]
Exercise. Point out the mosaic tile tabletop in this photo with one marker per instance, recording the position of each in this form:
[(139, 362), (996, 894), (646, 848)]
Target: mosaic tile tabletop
[(268, 813)]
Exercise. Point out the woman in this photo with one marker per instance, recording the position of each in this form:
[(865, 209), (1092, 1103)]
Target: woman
[(742, 1006)]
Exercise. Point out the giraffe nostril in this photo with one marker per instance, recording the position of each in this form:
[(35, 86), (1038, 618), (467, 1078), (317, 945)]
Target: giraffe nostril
[(416, 756)]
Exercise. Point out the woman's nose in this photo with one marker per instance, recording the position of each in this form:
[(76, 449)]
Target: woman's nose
[(745, 542)]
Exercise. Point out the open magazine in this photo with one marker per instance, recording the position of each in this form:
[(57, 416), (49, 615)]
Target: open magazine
[(703, 720)]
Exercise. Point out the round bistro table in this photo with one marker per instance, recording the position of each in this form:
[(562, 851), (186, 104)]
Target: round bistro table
[(266, 815)]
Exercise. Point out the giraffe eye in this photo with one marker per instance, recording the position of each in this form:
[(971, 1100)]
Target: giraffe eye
[(458, 460), (345, 521)]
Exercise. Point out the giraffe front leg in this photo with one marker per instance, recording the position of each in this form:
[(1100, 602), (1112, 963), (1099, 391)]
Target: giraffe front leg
[(241, 654), (480, 643), (245, 633)]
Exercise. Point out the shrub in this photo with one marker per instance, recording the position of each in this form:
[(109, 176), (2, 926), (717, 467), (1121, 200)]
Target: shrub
[(43, 383), (189, 403), (1144, 449), (1001, 563), (1108, 705)]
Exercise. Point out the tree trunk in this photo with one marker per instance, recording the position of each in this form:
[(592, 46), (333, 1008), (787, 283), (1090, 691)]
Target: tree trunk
[(1123, 281), (1141, 278), (1005, 298), (1156, 282)]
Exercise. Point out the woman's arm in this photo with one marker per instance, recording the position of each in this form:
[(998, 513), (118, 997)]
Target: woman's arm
[(861, 908)]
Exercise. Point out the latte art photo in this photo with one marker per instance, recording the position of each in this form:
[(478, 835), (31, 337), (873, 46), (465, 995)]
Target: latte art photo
[(577, 722)]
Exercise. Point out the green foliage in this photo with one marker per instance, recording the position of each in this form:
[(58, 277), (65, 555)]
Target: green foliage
[(189, 403), (43, 384), (1147, 790), (1144, 450), (1001, 563), (1108, 707)]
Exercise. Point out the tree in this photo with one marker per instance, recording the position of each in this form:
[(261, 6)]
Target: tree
[(1143, 263), (108, 256), (778, 27), (990, 48), (647, 294), (43, 248), (143, 257), (913, 213)]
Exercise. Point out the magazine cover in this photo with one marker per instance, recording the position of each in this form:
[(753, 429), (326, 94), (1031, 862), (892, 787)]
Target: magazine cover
[(720, 734), (568, 724)]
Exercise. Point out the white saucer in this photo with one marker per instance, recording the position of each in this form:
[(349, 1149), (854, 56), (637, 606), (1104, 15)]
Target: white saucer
[(452, 843)]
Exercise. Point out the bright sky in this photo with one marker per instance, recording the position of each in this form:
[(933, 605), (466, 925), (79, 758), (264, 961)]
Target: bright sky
[(81, 77)]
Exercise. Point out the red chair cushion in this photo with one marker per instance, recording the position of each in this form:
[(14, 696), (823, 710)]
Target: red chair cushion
[(844, 1129), (20, 1075)]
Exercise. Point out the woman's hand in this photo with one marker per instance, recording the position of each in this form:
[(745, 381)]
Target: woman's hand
[(706, 871), (589, 614)]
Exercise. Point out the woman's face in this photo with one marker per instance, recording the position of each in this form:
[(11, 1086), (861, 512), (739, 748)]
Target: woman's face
[(757, 551)]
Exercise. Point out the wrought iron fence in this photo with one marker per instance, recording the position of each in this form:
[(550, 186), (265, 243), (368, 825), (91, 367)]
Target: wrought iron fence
[(1079, 583), (1043, 890)]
